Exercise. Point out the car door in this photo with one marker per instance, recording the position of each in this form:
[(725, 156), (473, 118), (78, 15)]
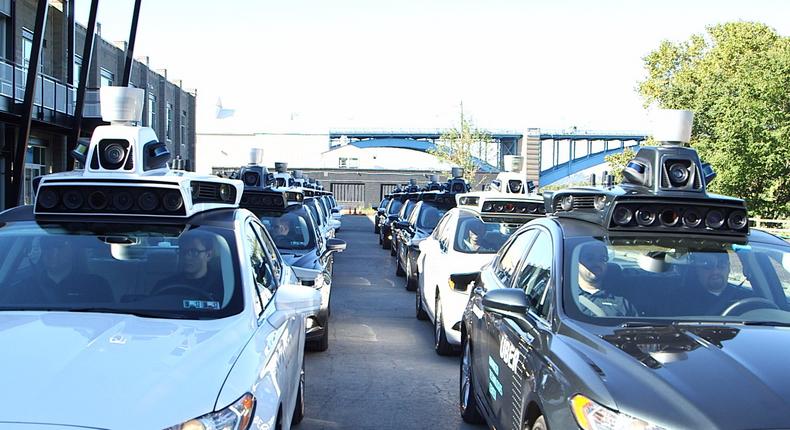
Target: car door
[(437, 264), (408, 233), (430, 247), (490, 370), (518, 342)]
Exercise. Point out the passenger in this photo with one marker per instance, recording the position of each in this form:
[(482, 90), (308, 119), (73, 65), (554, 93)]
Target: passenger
[(474, 233), (711, 292), (594, 298), (282, 231), (60, 281), (196, 273)]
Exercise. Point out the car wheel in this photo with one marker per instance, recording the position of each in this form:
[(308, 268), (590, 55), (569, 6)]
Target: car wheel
[(398, 269), (376, 228), (381, 238), (421, 314), (441, 345), (393, 247), (299, 407), (539, 424), (411, 283), (386, 243), (468, 402), (321, 344)]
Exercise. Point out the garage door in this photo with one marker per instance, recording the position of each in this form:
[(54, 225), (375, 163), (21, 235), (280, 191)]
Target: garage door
[(349, 195)]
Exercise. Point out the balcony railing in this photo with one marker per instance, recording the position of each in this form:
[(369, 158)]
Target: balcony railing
[(50, 94)]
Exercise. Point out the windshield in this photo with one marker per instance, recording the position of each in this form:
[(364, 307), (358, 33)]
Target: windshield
[(407, 210), (429, 216), (394, 207), (473, 236), (165, 272), (677, 279), (290, 230), (383, 203)]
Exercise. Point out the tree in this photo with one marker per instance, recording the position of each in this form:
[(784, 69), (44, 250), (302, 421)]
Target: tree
[(617, 163), (463, 146), (735, 78)]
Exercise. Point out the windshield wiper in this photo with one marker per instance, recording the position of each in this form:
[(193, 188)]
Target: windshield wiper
[(135, 312), (766, 323)]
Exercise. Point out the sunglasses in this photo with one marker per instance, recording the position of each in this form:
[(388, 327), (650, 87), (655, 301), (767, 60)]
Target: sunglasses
[(192, 252)]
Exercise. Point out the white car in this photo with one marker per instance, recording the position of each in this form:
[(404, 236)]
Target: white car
[(146, 301), (465, 239)]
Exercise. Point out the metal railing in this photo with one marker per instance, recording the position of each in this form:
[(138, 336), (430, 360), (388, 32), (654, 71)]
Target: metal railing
[(51, 93), (779, 227)]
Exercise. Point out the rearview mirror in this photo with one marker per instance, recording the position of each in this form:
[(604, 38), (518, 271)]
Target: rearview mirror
[(335, 210), (335, 245), (402, 224), (294, 299), (426, 245), (375, 208)]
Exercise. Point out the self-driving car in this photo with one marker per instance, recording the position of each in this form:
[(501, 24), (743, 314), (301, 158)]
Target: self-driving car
[(405, 212), (648, 305), (302, 246), (132, 296), (380, 209), (389, 216), (420, 224), (467, 237)]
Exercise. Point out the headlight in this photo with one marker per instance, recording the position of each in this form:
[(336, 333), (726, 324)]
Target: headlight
[(592, 416), (237, 416)]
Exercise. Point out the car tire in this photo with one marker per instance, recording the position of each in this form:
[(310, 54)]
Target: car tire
[(420, 314), (441, 345), (398, 269), (539, 424), (467, 401), (376, 228), (321, 344), (386, 243), (411, 283), (381, 238), (299, 406), (393, 247)]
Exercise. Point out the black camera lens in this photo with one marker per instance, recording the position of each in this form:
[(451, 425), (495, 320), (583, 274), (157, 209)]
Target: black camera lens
[(48, 198), (114, 153), (669, 217), (172, 201), (73, 199), (251, 178), (514, 185), (678, 174), (622, 215), (692, 218), (98, 200), (122, 201), (714, 219), (148, 201), (645, 217), (737, 220)]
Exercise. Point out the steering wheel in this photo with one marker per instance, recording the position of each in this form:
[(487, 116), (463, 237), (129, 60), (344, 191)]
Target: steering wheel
[(171, 289), (748, 302)]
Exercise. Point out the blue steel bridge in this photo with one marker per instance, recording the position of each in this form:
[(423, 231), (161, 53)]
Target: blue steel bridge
[(549, 156)]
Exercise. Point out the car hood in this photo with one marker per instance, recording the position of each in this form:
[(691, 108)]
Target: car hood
[(114, 371), (707, 376)]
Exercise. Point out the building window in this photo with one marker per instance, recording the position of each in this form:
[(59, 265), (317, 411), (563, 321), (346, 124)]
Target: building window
[(27, 46), (107, 77), (348, 163), (35, 165), (3, 35), (169, 119), (77, 71), (184, 128), (152, 111)]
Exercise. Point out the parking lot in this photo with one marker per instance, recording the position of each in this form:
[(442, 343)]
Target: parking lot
[(380, 371)]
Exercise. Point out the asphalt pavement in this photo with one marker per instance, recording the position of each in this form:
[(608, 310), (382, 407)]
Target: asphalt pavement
[(380, 371)]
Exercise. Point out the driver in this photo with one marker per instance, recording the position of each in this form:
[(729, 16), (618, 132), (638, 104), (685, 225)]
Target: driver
[(474, 233), (594, 298), (282, 233), (195, 255), (712, 292)]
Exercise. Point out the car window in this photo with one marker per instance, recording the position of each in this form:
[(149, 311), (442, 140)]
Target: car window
[(164, 271), (394, 207), (429, 216), (290, 230), (383, 203), (271, 250), (437, 232), (535, 273), (261, 268), (474, 236), (506, 265), (314, 212), (415, 213), (407, 209)]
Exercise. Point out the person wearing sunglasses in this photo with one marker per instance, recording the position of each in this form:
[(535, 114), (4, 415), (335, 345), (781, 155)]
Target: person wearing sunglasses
[(196, 275), (594, 299)]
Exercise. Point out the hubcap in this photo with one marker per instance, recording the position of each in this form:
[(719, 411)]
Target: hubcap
[(465, 377)]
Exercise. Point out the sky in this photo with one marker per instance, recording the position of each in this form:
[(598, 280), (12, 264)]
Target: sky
[(313, 65)]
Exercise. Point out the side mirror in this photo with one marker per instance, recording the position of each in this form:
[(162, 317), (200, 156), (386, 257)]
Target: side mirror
[(462, 281), (506, 301), (392, 217), (402, 224), (294, 299), (427, 245), (335, 210), (335, 245)]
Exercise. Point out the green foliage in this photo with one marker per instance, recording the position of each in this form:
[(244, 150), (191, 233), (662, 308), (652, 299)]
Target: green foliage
[(459, 147), (617, 162), (736, 79)]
